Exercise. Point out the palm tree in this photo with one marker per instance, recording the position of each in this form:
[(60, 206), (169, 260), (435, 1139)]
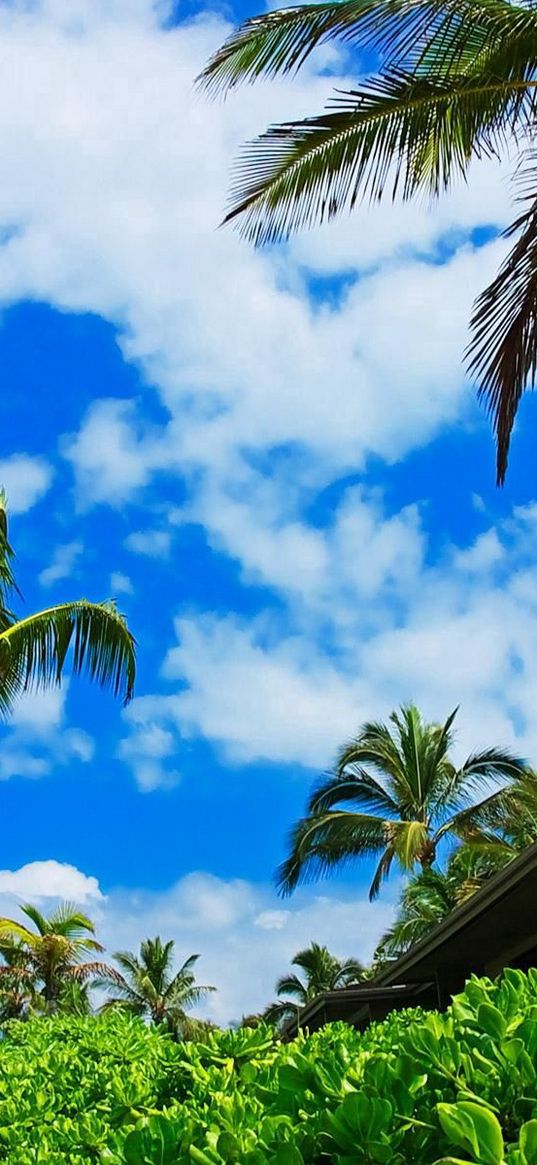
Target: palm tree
[(407, 796), (148, 986), (505, 826), (322, 972), (53, 954), (456, 81), (33, 650), (18, 993)]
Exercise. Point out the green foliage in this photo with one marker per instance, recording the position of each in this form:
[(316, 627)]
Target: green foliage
[(396, 794), (417, 1089)]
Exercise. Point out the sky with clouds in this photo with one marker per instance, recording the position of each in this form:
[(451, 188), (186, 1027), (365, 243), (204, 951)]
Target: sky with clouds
[(270, 459)]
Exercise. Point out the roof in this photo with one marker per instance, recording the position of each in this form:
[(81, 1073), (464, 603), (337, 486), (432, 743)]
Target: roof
[(494, 927)]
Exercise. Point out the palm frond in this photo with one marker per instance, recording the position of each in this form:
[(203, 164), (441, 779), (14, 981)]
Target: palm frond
[(291, 985), (358, 788), (33, 651), (444, 35), (502, 354), (399, 134), (382, 872), (318, 843), (8, 585)]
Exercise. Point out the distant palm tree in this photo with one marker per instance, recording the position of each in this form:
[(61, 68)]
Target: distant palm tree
[(456, 82), (52, 955), (18, 992), (322, 972), (33, 650), (148, 986), (408, 796)]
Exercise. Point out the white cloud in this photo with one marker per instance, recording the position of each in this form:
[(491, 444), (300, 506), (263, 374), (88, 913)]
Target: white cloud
[(245, 940), (25, 479), (120, 584), (382, 622), (149, 749), (38, 738), (153, 543), (64, 560), (235, 927), (37, 881)]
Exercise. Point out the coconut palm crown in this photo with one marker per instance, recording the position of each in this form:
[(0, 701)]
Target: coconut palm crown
[(404, 796), (148, 986), (34, 650), (322, 971), (455, 82), (53, 953)]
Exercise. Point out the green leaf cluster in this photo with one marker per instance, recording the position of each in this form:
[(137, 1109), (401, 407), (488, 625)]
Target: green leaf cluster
[(417, 1089)]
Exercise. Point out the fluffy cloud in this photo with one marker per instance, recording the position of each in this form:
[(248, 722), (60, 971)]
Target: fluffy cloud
[(25, 479), (38, 736), (39, 881), (63, 563), (460, 628), (246, 940)]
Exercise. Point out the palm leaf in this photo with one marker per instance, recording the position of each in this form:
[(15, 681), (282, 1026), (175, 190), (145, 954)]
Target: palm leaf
[(401, 33), (319, 843), (33, 650), (399, 134), (358, 787), (291, 985), (502, 355)]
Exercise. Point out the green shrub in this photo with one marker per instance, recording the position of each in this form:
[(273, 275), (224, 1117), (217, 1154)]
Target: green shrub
[(418, 1089)]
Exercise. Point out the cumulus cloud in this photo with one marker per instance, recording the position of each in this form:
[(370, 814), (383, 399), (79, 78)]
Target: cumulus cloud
[(38, 881), (25, 479), (245, 940)]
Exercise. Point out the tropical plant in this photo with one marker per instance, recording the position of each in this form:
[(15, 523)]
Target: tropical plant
[(407, 796), (48, 958), (33, 650), (455, 82), (417, 1088), (322, 972), (148, 986), (18, 992)]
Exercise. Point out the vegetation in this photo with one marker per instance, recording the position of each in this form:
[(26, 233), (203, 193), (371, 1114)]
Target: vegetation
[(322, 972), (407, 796), (417, 1088), (42, 964), (148, 986), (33, 650), (456, 83)]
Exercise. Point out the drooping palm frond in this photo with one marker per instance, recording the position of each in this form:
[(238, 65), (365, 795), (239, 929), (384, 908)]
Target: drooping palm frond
[(33, 650), (319, 843), (401, 33), (8, 585), (399, 134), (502, 355)]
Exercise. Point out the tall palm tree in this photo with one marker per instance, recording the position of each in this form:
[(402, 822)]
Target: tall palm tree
[(406, 796), (148, 986), (456, 80), (322, 972), (33, 650), (54, 952)]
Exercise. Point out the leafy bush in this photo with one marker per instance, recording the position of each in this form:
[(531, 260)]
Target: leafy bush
[(417, 1089)]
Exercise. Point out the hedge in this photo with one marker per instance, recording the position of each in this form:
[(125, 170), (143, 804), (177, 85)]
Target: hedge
[(418, 1089)]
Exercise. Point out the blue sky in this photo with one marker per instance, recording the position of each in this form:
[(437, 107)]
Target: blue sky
[(272, 461)]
